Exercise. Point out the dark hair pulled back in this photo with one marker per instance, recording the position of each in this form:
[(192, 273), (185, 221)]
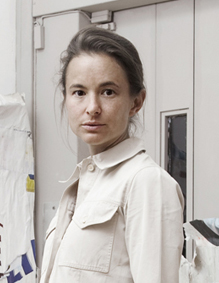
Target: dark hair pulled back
[(95, 40)]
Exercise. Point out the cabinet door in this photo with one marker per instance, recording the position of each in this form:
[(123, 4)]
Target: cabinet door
[(54, 160), (139, 26), (206, 151), (174, 94), (163, 35)]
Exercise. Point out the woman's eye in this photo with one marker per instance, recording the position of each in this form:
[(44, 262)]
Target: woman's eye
[(79, 93), (108, 92)]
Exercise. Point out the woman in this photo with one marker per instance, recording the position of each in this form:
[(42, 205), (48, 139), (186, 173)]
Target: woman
[(121, 219)]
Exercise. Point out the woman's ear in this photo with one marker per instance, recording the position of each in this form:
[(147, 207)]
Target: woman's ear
[(137, 103)]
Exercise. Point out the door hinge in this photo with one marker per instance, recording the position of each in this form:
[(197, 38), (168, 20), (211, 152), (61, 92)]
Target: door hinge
[(110, 26), (101, 17), (39, 40)]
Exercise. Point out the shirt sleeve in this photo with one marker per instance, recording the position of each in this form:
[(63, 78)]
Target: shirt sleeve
[(154, 233)]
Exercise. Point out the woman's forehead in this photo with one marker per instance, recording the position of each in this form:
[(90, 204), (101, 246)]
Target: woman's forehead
[(98, 67)]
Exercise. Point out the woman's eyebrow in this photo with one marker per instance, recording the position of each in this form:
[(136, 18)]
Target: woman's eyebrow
[(76, 86), (104, 84), (108, 84)]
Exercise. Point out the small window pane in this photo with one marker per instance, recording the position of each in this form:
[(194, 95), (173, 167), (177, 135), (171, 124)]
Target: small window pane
[(176, 152)]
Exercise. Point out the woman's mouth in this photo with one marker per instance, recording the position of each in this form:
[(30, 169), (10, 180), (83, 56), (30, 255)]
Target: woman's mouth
[(92, 126)]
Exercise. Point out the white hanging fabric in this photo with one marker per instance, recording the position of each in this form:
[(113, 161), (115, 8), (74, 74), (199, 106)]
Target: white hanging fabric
[(204, 267), (17, 192)]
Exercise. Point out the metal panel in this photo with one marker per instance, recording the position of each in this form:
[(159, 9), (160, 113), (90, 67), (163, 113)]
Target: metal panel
[(175, 55), (41, 7), (206, 148), (174, 60)]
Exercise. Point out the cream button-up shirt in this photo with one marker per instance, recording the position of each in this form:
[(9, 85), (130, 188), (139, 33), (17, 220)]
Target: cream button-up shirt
[(119, 222)]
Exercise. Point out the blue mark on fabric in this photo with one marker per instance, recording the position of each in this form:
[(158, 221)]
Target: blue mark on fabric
[(14, 278), (26, 264), (33, 248), (31, 176)]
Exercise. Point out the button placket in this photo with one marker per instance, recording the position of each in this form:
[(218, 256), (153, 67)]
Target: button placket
[(89, 172)]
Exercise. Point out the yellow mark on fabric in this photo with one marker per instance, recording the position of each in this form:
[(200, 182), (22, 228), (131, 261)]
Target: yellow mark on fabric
[(30, 185)]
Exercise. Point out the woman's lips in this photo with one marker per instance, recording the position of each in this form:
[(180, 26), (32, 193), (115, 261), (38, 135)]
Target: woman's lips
[(92, 126)]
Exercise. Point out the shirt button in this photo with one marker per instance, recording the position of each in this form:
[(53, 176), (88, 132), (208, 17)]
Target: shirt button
[(84, 220), (90, 167)]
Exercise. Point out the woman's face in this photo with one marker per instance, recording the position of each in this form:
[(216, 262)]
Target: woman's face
[(98, 101)]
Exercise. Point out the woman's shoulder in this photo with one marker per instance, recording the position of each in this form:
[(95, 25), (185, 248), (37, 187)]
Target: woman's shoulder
[(143, 163), (149, 181), (145, 172)]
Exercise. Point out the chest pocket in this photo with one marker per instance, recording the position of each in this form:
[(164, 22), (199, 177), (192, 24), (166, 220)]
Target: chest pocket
[(88, 240)]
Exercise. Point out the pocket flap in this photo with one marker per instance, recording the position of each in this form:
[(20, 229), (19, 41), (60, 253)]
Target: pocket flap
[(91, 213)]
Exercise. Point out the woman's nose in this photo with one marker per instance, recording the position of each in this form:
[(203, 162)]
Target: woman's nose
[(93, 107)]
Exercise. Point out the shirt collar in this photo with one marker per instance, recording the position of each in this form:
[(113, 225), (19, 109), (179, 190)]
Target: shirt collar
[(119, 153), (113, 156), (74, 176)]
